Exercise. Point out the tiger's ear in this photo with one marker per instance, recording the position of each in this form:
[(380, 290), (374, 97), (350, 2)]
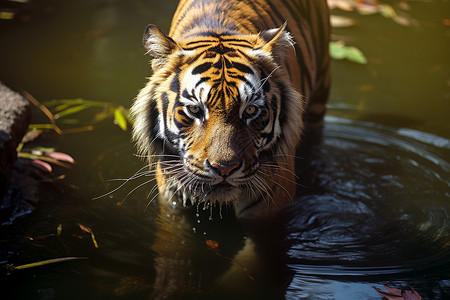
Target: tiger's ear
[(158, 45), (276, 40)]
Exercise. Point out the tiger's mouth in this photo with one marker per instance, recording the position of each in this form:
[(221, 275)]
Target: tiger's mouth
[(201, 185), (224, 183)]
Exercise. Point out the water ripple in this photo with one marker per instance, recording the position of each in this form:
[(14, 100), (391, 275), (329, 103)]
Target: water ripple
[(379, 204)]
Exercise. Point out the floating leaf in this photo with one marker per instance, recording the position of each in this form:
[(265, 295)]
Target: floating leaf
[(212, 244), (77, 101), (94, 241), (367, 9), (40, 126), (71, 110), (120, 119), (39, 158), (397, 294), (62, 107), (387, 11), (88, 230), (41, 165), (344, 5), (84, 228), (39, 150), (60, 156), (46, 262), (59, 230), (402, 20), (339, 51), (340, 21), (355, 55), (127, 114)]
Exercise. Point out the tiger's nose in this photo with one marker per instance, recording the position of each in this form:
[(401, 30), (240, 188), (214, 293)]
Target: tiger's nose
[(224, 170)]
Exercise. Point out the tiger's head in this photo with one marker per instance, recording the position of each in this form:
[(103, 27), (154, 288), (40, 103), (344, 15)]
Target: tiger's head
[(219, 117)]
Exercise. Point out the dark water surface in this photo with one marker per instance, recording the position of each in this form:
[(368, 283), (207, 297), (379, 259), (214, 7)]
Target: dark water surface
[(372, 207)]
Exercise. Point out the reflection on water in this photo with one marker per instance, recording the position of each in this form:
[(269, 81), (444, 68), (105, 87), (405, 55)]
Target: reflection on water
[(378, 210), (372, 209)]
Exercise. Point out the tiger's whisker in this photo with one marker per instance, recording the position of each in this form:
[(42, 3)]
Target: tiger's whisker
[(267, 78), (139, 186)]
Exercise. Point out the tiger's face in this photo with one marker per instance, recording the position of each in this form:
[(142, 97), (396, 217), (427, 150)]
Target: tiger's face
[(221, 118), (215, 116)]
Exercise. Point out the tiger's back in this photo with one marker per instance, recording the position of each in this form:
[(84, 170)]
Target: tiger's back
[(224, 110)]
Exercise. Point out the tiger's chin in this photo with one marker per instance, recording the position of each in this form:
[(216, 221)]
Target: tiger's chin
[(216, 195), (224, 193)]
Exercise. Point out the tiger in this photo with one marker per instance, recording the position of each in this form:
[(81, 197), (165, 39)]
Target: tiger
[(234, 85)]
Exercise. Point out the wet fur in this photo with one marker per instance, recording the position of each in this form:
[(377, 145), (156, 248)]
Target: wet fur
[(219, 60)]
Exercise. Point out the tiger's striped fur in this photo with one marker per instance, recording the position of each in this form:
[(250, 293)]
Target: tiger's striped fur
[(224, 110)]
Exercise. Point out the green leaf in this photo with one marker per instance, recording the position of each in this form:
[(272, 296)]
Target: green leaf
[(62, 107), (77, 101), (46, 262), (127, 114), (41, 149), (120, 119), (59, 230), (339, 51), (69, 102), (355, 55), (40, 126), (70, 111)]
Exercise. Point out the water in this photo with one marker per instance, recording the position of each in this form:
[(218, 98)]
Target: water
[(379, 211), (372, 208)]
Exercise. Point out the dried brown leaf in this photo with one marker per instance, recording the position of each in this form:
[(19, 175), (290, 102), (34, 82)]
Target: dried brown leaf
[(399, 294)]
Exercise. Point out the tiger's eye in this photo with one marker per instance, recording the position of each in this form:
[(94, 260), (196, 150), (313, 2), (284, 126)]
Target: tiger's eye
[(194, 109), (250, 110)]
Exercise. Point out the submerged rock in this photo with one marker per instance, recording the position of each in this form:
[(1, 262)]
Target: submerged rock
[(15, 115)]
